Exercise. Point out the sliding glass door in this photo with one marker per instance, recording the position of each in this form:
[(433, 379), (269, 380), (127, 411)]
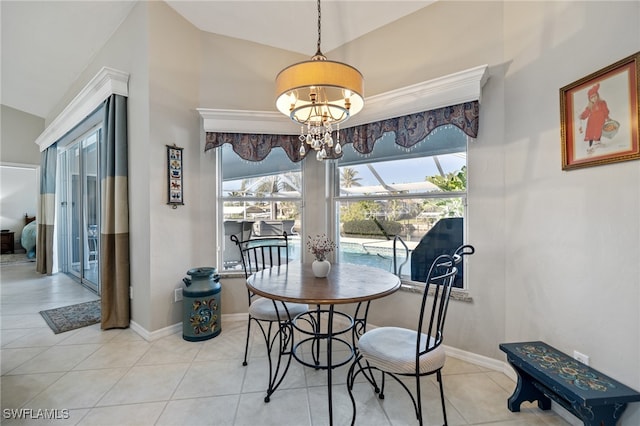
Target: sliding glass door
[(80, 206)]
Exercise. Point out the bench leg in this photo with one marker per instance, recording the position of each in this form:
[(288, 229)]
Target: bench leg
[(603, 415), (526, 391)]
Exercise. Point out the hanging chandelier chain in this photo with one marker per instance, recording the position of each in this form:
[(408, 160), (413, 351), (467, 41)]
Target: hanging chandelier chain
[(319, 95), (319, 52)]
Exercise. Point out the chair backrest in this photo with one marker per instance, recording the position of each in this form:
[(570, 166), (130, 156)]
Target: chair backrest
[(261, 253), (440, 278)]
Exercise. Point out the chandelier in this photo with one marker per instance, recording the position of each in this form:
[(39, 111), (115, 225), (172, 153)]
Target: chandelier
[(319, 94)]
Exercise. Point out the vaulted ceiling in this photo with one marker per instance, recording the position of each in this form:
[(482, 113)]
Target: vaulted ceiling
[(47, 44)]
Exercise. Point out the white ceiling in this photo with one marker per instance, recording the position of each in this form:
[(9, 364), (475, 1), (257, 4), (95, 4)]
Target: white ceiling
[(47, 44)]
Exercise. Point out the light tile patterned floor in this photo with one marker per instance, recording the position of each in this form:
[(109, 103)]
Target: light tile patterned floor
[(117, 378)]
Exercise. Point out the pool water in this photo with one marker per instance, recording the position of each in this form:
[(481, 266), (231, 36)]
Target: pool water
[(354, 253), (351, 252)]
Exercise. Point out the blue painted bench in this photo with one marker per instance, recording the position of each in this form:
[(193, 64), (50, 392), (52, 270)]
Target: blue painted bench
[(545, 374)]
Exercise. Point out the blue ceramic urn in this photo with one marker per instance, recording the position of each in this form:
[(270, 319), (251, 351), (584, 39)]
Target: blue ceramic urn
[(201, 317)]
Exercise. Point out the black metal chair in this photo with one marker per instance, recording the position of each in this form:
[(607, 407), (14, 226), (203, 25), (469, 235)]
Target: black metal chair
[(400, 352), (273, 318)]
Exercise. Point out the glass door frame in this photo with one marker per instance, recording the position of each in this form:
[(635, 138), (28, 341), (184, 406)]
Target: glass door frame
[(87, 251)]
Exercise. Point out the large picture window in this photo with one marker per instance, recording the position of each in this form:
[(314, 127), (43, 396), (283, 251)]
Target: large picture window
[(413, 200)]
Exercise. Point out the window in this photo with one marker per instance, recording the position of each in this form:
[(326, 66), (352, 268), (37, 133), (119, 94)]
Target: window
[(416, 197), (258, 200), (414, 206)]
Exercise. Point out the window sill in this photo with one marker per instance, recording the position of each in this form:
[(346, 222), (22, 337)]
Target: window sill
[(231, 274), (458, 294)]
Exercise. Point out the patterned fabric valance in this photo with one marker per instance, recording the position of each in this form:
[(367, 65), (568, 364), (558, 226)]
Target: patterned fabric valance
[(255, 147), (409, 130)]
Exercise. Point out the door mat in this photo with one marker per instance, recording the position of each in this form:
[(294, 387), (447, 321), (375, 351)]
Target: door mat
[(72, 317)]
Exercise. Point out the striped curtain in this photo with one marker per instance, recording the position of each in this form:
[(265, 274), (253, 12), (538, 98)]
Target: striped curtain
[(46, 211), (114, 233)]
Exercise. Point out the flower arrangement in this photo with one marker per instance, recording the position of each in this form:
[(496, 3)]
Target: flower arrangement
[(320, 245)]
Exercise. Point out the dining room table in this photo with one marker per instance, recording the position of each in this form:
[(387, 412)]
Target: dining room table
[(346, 284)]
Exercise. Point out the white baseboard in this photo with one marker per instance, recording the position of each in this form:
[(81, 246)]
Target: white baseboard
[(234, 317), (150, 336), (155, 335), (482, 361)]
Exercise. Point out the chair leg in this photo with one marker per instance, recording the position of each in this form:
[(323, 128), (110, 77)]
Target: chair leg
[(444, 410), (418, 402), (351, 378), (283, 337), (246, 344), (267, 341), (367, 372)]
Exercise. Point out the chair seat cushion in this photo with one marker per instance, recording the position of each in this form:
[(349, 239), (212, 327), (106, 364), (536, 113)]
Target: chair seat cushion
[(264, 309), (393, 349)]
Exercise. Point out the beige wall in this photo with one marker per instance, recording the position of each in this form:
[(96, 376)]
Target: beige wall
[(573, 238), (18, 133), (180, 238), (558, 253), (19, 168), (19, 194)]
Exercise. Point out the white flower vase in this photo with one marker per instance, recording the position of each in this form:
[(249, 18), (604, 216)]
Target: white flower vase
[(321, 268)]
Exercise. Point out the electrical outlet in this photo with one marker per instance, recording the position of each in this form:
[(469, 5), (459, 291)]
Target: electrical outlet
[(581, 357), (177, 295)]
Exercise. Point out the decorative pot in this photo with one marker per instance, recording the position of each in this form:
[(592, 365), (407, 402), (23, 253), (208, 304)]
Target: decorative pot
[(321, 268), (202, 309)]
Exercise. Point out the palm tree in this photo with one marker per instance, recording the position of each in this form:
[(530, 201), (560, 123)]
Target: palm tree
[(454, 181), (348, 177), (273, 184)]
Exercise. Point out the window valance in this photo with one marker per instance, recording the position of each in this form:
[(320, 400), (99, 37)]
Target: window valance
[(409, 130), (255, 147)]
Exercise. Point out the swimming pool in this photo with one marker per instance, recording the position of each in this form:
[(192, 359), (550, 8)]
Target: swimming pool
[(367, 252), (360, 254)]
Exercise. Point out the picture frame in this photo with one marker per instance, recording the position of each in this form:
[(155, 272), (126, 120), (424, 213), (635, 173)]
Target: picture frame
[(175, 187), (599, 116)]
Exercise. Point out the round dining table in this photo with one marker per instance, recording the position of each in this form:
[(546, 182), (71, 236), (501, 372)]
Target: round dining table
[(345, 284)]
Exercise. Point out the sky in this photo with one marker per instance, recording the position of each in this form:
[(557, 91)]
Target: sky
[(410, 170)]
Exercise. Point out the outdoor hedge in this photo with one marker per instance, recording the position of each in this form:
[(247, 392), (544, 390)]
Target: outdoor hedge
[(369, 227)]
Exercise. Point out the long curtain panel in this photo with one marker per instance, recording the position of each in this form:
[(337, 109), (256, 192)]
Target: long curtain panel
[(46, 210), (114, 234)]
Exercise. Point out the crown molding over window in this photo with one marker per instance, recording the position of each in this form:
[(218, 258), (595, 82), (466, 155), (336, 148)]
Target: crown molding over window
[(107, 82), (453, 89), (239, 121)]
